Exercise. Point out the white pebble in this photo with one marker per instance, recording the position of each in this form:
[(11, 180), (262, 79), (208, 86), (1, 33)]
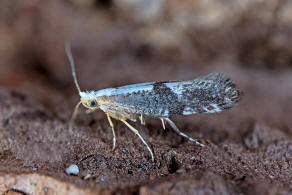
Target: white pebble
[(72, 170), (87, 176)]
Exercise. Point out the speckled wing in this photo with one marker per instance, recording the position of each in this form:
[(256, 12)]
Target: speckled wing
[(208, 94)]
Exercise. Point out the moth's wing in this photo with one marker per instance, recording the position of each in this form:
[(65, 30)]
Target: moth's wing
[(228, 89), (127, 101), (211, 93), (153, 99), (124, 90), (208, 94)]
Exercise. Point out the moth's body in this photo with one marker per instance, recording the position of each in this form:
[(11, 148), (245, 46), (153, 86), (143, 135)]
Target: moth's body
[(208, 94)]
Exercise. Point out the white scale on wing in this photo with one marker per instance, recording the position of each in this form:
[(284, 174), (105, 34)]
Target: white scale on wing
[(128, 89)]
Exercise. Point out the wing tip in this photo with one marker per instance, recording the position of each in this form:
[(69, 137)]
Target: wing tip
[(232, 94)]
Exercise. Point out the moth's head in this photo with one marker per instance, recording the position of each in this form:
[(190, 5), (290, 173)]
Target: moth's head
[(89, 100), (90, 104)]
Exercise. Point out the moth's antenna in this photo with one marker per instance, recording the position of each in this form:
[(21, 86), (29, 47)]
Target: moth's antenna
[(72, 64)]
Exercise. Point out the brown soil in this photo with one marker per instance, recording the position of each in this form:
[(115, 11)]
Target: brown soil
[(248, 148)]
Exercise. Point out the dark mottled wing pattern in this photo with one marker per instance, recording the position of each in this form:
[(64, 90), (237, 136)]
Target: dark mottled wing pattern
[(212, 93), (208, 94)]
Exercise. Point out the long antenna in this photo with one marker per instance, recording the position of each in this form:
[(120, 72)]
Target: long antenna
[(72, 64)]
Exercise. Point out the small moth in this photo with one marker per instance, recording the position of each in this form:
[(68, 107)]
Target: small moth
[(211, 93)]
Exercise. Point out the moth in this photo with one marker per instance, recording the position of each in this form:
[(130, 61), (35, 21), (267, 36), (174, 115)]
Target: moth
[(211, 93)]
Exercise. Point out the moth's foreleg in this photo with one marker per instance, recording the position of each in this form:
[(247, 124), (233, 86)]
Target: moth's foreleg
[(74, 116), (141, 138), (163, 123), (174, 127), (142, 119), (113, 130)]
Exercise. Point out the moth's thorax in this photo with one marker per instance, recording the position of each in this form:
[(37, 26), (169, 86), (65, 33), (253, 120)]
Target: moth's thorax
[(107, 101)]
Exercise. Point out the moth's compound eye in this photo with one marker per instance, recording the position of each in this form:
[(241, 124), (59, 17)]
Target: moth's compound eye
[(92, 104)]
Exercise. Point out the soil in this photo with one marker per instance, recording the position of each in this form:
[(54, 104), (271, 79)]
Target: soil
[(248, 149)]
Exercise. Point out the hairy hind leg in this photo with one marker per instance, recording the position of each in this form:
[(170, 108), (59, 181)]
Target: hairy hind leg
[(174, 127), (141, 138), (113, 130)]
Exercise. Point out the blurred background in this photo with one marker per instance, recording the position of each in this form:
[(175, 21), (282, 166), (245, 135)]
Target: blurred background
[(118, 42)]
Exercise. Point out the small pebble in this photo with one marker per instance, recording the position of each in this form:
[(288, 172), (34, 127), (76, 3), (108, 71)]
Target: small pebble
[(46, 189), (87, 176), (72, 170), (124, 151)]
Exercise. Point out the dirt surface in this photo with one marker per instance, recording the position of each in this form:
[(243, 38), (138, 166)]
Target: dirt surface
[(248, 148)]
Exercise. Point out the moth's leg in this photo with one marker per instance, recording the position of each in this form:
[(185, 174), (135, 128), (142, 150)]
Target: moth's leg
[(163, 123), (113, 130), (174, 127), (74, 116), (137, 133), (142, 119)]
